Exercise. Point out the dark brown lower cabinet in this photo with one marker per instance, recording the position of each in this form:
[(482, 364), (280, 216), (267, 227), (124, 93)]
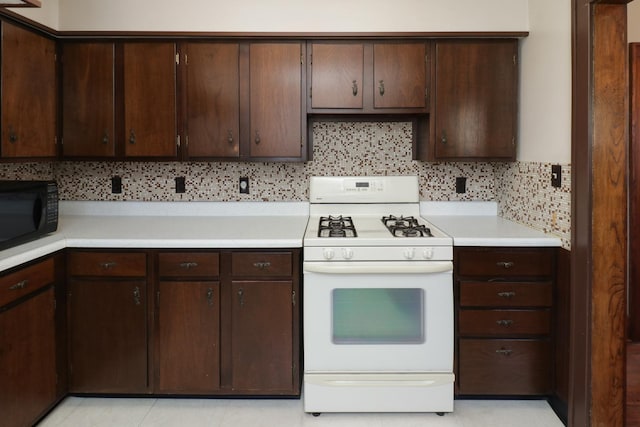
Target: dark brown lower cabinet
[(188, 329), (107, 336), (262, 336)]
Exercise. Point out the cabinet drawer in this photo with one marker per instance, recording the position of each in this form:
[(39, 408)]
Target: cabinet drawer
[(189, 264), (506, 294), (26, 280), (504, 367), (505, 262), (504, 322), (107, 264), (261, 264)]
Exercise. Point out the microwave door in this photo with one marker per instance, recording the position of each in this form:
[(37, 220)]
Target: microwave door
[(20, 214)]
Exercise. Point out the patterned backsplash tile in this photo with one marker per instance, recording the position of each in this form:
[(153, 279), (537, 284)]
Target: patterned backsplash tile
[(522, 190)]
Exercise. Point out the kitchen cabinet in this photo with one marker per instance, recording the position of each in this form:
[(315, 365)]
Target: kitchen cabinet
[(264, 323), (28, 348), (29, 94), (475, 107), (188, 323), (504, 320), (368, 77), (244, 101), (277, 113), (119, 100), (212, 99), (107, 315)]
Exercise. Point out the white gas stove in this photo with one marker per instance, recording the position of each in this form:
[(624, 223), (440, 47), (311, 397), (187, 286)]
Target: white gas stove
[(377, 284)]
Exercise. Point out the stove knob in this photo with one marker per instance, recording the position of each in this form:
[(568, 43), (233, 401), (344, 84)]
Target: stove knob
[(347, 253), (427, 253), (409, 253), (328, 253)]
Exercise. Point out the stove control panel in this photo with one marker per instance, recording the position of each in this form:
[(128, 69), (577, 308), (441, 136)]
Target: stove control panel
[(389, 253)]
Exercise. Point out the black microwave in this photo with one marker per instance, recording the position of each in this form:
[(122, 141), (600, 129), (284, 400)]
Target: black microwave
[(28, 210)]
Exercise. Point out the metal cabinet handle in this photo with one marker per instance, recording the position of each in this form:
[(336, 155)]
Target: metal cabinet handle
[(505, 264), (262, 265), (136, 295), (20, 285), (257, 140), (506, 322), (354, 88), (108, 264), (381, 87), (504, 352), (230, 137), (132, 137), (210, 297), (241, 297), (443, 138), (13, 137), (105, 138), (188, 265), (508, 294)]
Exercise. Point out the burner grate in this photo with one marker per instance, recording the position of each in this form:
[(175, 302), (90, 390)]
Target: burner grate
[(336, 226), (405, 226)]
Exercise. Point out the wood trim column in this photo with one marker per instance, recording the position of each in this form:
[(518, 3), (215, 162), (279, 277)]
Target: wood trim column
[(599, 239)]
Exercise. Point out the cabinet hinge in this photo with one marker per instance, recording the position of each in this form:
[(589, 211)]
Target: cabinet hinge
[(310, 92), (186, 141), (515, 60), (178, 141), (186, 59), (177, 59), (293, 298), (301, 59), (158, 297), (513, 141)]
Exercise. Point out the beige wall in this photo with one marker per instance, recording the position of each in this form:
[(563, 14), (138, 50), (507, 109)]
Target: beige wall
[(633, 20)]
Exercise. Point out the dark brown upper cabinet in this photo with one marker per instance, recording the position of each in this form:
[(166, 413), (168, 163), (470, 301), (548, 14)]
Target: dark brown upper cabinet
[(368, 77), (28, 94), (475, 108), (119, 100), (244, 101), (212, 85)]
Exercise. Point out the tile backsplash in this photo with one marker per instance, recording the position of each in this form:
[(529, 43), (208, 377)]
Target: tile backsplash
[(522, 190)]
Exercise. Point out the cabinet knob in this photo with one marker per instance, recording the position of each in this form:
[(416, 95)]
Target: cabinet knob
[(381, 87), (262, 265), (107, 265), (20, 285), (354, 88), (508, 294), (257, 140), (505, 264), (132, 137), (506, 322)]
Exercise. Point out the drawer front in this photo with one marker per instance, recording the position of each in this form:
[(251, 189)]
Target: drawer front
[(26, 280), (505, 263), (262, 264), (504, 367), (504, 322), (109, 264), (189, 264), (506, 294)]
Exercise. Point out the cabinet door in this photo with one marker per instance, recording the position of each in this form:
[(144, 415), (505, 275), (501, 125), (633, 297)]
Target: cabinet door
[(262, 336), (88, 126), (213, 99), (28, 360), (188, 337), (337, 75), (28, 93), (399, 75), (107, 336), (150, 100), (476, 99), (276, 100)]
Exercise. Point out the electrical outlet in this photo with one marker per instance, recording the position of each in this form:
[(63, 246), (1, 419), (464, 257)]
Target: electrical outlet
[(180, 185), (244, 185), (461, 184), (116, 185), (556, 176)]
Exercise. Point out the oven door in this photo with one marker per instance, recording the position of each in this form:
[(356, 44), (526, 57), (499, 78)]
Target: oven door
[(378, 316)]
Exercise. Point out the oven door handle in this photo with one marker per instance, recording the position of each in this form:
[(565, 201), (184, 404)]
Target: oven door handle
[(378, 268)]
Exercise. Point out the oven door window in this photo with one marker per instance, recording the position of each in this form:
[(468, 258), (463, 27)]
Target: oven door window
[(378, 316)]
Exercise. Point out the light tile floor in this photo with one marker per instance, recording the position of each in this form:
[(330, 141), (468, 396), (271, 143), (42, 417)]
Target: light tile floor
[(147, 412)]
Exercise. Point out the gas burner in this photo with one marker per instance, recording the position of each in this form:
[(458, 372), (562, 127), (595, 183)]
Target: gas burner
[(336, 226), (405, 226)]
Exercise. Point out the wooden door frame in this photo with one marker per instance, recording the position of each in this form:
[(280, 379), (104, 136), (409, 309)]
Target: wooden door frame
[(599, 212)]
